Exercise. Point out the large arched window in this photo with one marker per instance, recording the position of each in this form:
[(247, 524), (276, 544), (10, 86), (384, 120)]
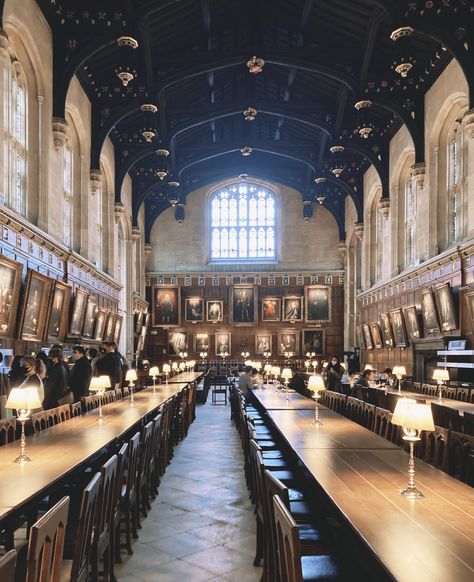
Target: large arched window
[(454, 183), (243, 223)]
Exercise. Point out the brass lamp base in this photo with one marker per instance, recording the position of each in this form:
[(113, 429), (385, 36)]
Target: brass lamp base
[(412, 493), (22, 458)]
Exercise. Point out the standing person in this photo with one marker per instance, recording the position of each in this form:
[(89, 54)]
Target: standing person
[(16, 374), (334, 372), (122, 365), (108, 364), (81, 373), (56, 382), (33, 369)]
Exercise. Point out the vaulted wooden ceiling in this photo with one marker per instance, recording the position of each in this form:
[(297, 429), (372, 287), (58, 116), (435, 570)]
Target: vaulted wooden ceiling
[(320, 59)]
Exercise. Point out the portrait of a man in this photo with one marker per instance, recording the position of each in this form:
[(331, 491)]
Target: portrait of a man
[(445, 303), (100, 324), (35, 305), (201, 342), (33, 300), (313, 341), (263, 343), (243, 305), (271, 309), (166, 306), (398, 327), (318, 303), (194, 309), (214, 310), (178, 342), (56, 312), (78, 312), (222, 343), (411, 323), (89, 319), (7, 282), (292, 308), (288, 341), (428, 312)]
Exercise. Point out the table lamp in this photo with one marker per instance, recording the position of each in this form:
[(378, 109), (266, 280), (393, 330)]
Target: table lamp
[(368, 367), (23, 400), (316, 384), (307, 364), (97, 385), (267, 355), (131, 377), (174, 366), (441, 375), (275, 373), (203, 355), (166, 371), (154, 371), (399, 371), (257, 365), (245, 354), (414, 418), (286, 374), (182, 366)]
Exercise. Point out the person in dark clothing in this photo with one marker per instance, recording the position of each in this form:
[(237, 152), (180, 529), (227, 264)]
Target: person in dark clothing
[(297, 382), (109, 365), (56, 382), (81, 373), (17, 373), (334, 372), (122, 363), (365, 378)]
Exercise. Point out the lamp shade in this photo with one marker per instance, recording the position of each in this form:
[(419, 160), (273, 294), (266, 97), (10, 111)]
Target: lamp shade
[(105, 382), (441, 374), (316, 383), (96, 384), (268, 368), (286, 373), (399, 371), (368, 367), (23, 399), (131, 375), (174, 365), (182, 365), (166, 368), (276, 370), (154, 371), (257, 365), (411, 415)]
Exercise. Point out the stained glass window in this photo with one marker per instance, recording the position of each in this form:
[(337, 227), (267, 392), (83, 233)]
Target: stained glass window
[(243, 223)]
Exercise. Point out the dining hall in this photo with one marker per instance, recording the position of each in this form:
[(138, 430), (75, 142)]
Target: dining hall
[(236, 291)]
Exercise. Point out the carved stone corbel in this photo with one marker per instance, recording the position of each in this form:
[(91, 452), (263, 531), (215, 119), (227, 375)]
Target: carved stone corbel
[(136, 233), (147, 249), (417, 174), (342, 248), (59, 132), (119, 211), (96, 181), (384, 207), (468, 122), (359, 230)]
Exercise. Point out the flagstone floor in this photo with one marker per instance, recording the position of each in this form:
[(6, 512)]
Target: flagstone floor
[(201, 526)]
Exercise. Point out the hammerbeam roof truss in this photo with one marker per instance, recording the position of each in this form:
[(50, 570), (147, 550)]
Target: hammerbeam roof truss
[(320, 59)]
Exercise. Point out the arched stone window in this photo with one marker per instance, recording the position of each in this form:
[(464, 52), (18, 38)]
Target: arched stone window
[(243, 223), (454, 173)]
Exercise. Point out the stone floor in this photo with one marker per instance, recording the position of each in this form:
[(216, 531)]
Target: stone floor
[(201, 526)]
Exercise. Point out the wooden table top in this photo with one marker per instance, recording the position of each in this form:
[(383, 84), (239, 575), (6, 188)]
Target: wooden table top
[(58, 450), (424, 540), (273, 400), (185, 377), (458, 405)]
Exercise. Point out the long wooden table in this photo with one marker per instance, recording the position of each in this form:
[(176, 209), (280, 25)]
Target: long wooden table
[(273, 400), (185, 377), (59, 450), (424, 540)]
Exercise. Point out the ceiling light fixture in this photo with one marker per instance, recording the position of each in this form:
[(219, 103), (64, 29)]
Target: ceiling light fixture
[(337, 170), (148, 134), (126, 76), (128, 41), (255, 65), (336, 149), (320, 180), (250, 114), (365, 131), (161, 174), (401, 32), (149, 107), (163, 152), (362, 104), (321, 199), (246, 151)]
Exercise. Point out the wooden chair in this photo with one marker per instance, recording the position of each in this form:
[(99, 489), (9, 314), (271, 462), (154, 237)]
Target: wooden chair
[(294, 567), (119, 481), (382, 421), (118, 394), (445, 416), (51, 417), (128, 496), (38, 421), (463, 393), (89, 402), (76, 409), (101, 547), (46, 543), (416, 387), (361, 393), (430, 389), (146, 449), (7, 566), (64, 412), (461, 457), (355, 409), (79, 567), (7, 430), (154, 469), (339, 403), (125, 391), (450, 392), (468, 423), (368, 416), (434, 447)]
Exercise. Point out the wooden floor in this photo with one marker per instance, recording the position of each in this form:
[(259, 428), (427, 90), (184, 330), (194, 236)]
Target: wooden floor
[(201, 526)]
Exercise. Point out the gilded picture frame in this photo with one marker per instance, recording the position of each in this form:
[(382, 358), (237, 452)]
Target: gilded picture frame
[(318, 304), (56, 329), (243, 304), (10, 283), (36, 300)]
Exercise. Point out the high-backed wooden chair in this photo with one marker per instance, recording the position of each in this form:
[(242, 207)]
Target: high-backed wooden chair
[(146, 452), (51, 417), (154, 469), (434, 447), (76, 409), (355, 409), (339, 402), (46, 543), (78, 568), (468, 423), (450, 392), (463, 393), (445, 416), (89, 402), (38, 421), (368, 416), (101, 547), (118, 394), (119, 481), (382, 421), (461, 457), (125, 391), (128, 497), (64, 412), (294, 567), (7, 566), (7, 430)]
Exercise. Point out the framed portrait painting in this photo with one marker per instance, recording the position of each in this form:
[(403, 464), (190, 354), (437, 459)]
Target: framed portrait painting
[(243, 305), (288, 341), (78, 313), (90, 317), (271, 309), (412, 324), (398, 327), (367, 336), (58, 312), (109, 327), (100, 322), (139, 318), (117, 328), (222, 343), (10, 282), (263, 343), (445, 304), (318, 304), (201, 342), (313, 341), (177, 342), (194, 309), (470, 308), (35, 306), (376, 336), (292, 308), (428, 312), (360, 337), (166, 305), (214, 310), (387, 334)]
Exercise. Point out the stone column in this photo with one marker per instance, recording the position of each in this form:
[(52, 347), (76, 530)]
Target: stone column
[(468, 174), (423, 207), (84, 208), (395, 235), (4, 63), (137, 263), (433, 245), (359, 233), (383, 208), (96, 199)]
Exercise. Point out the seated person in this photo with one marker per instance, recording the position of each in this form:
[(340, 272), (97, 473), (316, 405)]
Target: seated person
[(297, 382), (389, 378), (245, 380), (365, 378)]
